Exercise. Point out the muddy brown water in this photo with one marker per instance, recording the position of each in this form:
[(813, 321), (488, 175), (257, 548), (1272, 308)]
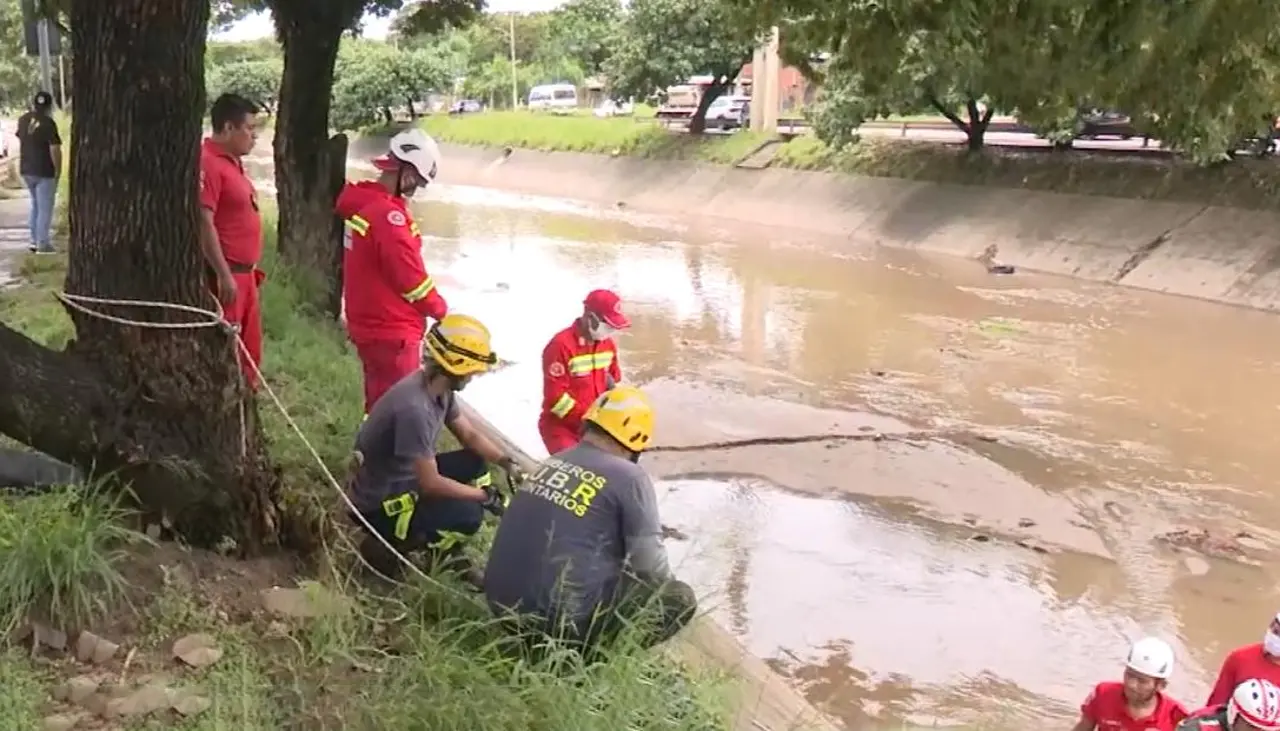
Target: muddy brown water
[(982, 546), (969, 537)]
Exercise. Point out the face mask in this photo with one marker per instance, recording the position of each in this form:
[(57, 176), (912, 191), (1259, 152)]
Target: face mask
[(599, 330), (1271, 643)]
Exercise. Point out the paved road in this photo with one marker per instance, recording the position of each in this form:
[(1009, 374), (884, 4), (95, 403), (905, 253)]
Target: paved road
[(1002, 139)]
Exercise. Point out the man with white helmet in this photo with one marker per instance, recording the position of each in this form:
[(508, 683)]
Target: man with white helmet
[(1138, 703), (1254, 706), (387, 293)]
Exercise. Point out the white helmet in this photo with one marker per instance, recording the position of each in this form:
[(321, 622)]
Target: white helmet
[(413, 147), (1258, 703), (1152, 657)]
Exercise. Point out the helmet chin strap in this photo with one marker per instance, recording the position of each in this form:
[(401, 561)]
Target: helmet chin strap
[(400, 181)]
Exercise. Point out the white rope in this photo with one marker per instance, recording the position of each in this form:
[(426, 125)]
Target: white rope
[(216, 319)]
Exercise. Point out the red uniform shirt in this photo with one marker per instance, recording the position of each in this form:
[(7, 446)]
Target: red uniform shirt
[(385, 287), (1107, 708), (1243, 664), (229, 194), (575, 371)]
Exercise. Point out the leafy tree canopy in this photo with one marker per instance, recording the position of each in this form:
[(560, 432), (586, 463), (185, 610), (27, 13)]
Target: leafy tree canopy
[(664, 42), (372, 78)]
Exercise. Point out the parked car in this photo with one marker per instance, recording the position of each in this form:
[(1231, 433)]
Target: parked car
[(611, 108), (728, 113), (465, 106), (1095, 123), (553, 97)]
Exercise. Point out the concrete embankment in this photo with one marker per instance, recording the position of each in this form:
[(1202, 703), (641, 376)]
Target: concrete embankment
[(1221, 254)]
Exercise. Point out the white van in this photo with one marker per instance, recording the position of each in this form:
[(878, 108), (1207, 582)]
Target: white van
[(555, 97)]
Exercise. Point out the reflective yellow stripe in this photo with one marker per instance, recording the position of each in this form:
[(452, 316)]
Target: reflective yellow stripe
[(358, 224), (413, 229), (563, 406), (484, 480), (581, 365), (420, 291), (400, 508)]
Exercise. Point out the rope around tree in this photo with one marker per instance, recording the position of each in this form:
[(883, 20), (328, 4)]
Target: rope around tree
[(213, 318)]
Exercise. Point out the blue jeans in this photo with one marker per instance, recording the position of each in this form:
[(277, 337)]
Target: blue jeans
[(40, 219)]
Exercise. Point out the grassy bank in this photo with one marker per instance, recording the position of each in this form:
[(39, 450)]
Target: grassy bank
[(1243, 183), (421, 657)]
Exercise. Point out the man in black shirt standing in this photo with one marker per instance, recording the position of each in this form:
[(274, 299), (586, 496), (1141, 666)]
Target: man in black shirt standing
[(40, 162)]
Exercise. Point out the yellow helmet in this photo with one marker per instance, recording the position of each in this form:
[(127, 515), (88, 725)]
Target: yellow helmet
[(459, 344), (625, 414)]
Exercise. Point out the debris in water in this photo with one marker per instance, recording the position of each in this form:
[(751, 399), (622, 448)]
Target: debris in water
[(1204, 542), (1026, 523), (675, 533), (1000, 269), (1032, 545), (877, 372), (980, 537), (1195, 565)]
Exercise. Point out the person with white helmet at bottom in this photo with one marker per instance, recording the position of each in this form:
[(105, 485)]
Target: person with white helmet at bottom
[(387, 293), (1254, 706), (1138, 703)]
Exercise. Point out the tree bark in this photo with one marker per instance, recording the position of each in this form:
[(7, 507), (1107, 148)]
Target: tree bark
[(310, 33), (698, 122), (163, 411)]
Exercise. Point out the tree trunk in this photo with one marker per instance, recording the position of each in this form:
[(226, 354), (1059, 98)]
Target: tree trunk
[(698, 122), (164, 411), (310, 33), (978, 121)]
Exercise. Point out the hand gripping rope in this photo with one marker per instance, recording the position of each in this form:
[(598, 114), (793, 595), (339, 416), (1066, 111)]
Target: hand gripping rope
[(211, 318)]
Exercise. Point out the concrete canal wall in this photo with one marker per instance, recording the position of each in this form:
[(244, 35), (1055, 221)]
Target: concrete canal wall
[(1221, 254)]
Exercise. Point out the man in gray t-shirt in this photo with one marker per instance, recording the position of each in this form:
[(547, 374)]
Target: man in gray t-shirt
[(581, 541), (410, 495)]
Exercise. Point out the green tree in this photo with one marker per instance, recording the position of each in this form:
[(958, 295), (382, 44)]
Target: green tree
[(664, 42), (256, 80), (375, 77), (961, 60), (19, 73), (584, 31)]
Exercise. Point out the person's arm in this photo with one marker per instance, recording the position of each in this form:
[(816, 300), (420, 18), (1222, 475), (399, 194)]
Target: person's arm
[(615, 367), (413, 441), (55, 148), (473, 439), (556, 397), (400, 256), (642, 533), (1225, 684), (210, 192)]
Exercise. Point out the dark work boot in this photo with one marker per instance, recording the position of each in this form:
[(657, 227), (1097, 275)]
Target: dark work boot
[(381, 561)]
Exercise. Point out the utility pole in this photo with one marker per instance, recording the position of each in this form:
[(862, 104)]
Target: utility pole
[(46, 58), (515, 87), (62, 81)]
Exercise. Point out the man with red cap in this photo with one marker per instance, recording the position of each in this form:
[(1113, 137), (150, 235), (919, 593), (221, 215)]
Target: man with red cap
[(387, 293), (579, 364)]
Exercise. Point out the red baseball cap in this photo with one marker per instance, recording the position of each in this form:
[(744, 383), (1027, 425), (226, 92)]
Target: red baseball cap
[(607, 305)]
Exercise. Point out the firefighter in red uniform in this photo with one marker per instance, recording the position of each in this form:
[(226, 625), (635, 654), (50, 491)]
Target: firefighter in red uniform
[(387, 293), (579, 364)]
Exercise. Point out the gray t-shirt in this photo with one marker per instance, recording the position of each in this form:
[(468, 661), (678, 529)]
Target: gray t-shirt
[(403, 426), (570, 530)]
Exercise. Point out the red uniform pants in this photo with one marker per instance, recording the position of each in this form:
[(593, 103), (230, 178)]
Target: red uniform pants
[(384, 363), (245, 312), (556, 436)]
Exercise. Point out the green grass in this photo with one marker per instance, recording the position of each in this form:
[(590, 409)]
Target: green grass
[(1243, 183), (638, 136), (425, 656)]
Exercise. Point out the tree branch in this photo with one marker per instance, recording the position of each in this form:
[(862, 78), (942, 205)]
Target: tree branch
[(52, 401), (944, 111)]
